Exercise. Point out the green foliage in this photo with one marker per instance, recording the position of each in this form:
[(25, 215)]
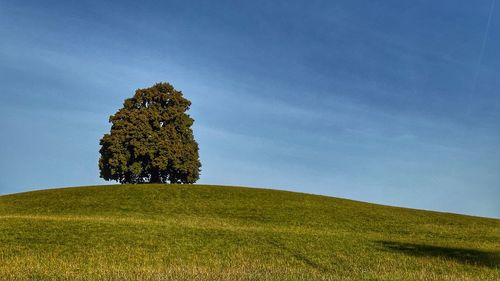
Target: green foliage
[(179, 232), (151, 140)]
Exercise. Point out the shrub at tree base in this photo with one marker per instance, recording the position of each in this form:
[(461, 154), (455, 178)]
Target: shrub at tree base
[(151, 140)]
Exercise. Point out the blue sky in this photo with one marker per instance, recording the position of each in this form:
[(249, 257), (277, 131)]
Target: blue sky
[(393, 102)]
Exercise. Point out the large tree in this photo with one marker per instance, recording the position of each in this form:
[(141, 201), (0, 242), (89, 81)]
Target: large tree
[(151, 140)]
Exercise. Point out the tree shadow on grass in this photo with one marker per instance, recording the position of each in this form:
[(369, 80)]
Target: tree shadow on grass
[(466, 256)]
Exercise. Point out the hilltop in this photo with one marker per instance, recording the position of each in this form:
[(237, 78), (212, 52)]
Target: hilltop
[(186, 232)]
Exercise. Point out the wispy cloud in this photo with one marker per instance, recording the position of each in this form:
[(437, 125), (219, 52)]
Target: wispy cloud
[(481, 52)]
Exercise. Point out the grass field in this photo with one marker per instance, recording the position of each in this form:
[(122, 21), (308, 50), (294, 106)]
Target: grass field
[(181, 232)]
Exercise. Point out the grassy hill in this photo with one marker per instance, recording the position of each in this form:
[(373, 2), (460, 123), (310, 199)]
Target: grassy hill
[(164, 232)]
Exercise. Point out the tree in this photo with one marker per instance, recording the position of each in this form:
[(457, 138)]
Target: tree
[(151, 140)]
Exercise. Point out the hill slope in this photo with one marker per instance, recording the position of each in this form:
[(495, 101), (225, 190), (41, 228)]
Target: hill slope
[(160, 232)]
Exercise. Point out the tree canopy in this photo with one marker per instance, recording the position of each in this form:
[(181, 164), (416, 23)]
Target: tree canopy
[(151, 140)]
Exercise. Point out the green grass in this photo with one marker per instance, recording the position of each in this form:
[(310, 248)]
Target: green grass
[(181, 232)]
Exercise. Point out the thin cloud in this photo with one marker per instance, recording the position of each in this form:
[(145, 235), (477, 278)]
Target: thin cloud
[(481, 54)]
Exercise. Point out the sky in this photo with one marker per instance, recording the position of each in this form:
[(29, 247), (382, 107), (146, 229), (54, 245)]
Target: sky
[(385, 101)]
